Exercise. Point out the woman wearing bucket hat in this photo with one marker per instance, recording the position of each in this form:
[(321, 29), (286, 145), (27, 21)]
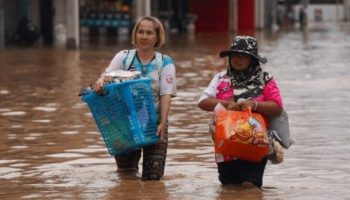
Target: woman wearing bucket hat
[(244, 84)]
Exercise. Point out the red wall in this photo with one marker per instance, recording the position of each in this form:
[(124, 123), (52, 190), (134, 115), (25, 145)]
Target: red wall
[(212, 15), (246, 15)]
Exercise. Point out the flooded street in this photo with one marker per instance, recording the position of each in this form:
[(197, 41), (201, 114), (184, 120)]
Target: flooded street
[(51, 149)]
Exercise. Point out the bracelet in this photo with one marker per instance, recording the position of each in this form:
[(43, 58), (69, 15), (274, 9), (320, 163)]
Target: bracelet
[(256, 105)]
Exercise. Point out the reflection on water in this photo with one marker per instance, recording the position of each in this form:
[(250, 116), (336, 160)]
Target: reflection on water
[(51, 148)]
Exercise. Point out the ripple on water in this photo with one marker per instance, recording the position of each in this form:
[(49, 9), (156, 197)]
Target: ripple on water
[(89, 149), (45, 109), (19, 147), (13, 113), (4, 92), (10, 172), (69, 132), (66, 155)]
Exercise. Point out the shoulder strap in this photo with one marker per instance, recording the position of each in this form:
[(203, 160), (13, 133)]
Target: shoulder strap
[(128, 60), (159, 62), (131, 56)]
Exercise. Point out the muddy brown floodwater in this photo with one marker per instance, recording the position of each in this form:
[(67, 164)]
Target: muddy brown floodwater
[(51, 149)]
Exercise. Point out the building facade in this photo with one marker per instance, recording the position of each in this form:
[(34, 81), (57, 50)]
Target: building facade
[(61, 22)]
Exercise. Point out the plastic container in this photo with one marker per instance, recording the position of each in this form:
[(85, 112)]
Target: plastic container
[(125, 115)]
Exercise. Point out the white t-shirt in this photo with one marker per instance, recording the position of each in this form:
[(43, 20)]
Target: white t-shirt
[(163, 81)]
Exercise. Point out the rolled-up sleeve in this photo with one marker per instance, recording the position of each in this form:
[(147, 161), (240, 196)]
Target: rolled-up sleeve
[(168, 78), (210, 91), (271, 92)]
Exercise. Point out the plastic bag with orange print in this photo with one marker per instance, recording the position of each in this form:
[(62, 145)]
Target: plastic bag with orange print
[(242, 134)]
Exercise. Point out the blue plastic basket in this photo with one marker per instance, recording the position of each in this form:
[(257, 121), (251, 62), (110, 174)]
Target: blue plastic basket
[(125, 115)]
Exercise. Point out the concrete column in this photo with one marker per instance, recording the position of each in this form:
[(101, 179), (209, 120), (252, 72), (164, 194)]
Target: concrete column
[(147, 7), (346, 10), (72, 22), (138, 7), (259, 14), (59, 23), (2, 25), (274, 25), (232, 15), (142, 7)]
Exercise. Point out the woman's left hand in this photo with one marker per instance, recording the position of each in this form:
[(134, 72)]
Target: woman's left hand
[(161, 131), (249, 103)]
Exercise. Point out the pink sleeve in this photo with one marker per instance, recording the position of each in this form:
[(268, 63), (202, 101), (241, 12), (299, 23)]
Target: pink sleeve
[(271, 92)]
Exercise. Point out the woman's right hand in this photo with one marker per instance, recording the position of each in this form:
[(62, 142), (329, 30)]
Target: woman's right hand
[(98, 86)]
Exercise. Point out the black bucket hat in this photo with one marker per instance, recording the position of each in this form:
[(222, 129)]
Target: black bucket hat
[(244, 44)]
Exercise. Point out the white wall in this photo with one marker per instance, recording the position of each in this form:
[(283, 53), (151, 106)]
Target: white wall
[(329, 12)]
